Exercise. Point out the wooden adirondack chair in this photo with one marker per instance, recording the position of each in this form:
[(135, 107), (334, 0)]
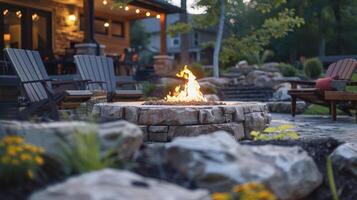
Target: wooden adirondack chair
[(101, 70), (342, 69), (39, 87)]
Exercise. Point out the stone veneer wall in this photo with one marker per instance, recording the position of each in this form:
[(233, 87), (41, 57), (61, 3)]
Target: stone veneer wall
[(163, 123)]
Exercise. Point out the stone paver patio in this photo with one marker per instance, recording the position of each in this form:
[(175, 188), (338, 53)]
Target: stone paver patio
[(313, 126)]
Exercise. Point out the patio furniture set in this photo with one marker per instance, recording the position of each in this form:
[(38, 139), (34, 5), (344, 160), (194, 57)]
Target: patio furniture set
[(97, 73)]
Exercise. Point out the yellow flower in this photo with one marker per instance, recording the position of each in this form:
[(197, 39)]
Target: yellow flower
[(25, 157), (11, 150), (5, 160), (14, 162), (221, 196), (266, 195), (39, 160), (30, 174)]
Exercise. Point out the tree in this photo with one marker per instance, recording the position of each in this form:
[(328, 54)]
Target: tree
[(184, 38)]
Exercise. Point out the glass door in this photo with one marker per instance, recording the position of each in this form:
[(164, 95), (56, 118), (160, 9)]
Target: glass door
[(25, 28)]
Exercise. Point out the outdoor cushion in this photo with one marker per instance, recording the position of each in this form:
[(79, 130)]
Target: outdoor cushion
[(324, 84)]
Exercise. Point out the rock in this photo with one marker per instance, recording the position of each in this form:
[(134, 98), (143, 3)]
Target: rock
[(235, 129), (255, 121), (108, 112), (270, 67), (168, 116), (119, 185), (212, 115), (170, 81), (281, 94), (205, 84), (211, 97), (285, 107), (49, 135), (219, 82), (260, 78), (217, 162), (345, 157)]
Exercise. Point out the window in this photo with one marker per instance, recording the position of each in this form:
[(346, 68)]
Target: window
[(117, 29), (25, 27), (101, 26), (196, 39), (176, 41)]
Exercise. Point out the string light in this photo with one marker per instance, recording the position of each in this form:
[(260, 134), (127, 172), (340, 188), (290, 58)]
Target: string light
[(106, 24), (148, 14), (126, 8), (158, 16), (137, 11), (105, 2), (35, 17), (72, 18), (5, 12)]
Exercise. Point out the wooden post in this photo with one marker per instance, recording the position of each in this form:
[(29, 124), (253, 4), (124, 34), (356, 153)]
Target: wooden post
[(333, 110), (88, 21), (163, 46)]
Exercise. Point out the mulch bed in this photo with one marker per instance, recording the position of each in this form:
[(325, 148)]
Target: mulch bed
[(319, 149)]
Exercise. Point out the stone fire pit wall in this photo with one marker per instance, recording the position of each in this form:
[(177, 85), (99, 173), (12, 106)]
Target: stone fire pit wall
[(161, 123)]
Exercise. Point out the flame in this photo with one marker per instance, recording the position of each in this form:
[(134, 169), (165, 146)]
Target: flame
[(190, 91)]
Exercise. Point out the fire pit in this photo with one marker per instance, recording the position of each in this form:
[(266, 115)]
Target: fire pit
[(186, 112)]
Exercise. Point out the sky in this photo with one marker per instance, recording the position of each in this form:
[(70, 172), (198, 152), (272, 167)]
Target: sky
[(189, 6)]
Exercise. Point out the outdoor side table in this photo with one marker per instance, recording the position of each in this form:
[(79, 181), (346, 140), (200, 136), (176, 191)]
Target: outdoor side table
[(334, 96)]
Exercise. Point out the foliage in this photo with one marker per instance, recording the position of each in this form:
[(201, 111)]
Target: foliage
[(19, 160), (313, 68), (331, 179), (138, 36), (319, 110), (179, 28), (247, 191), (82, 154), (287, 70), (281, 132), (148, 89), (118, 3), (255, 40), (197, 70), (260, 58)]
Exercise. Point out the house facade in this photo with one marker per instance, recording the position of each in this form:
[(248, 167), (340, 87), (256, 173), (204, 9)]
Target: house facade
[(197, 37), (54, 26)]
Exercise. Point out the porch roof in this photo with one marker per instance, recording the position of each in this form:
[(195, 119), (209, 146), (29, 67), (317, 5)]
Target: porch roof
[(157, 6)]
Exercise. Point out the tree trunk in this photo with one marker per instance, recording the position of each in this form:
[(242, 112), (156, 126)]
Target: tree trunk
[(217, 47), (185, 42), (337, 12)]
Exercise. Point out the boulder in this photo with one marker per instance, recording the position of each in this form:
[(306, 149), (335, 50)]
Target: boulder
[(270, 67), (49, 135), (345, 157), (217, 162), (260, 78), (219, 82), (281, 94), (211, 97), (119, 185), (285, 107)]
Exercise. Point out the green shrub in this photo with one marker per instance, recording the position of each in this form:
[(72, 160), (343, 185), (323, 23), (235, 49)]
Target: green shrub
[(313, 68), (19, 160), (197, 70), (148, 89), (287, 70), (83, 154), (281, 132)]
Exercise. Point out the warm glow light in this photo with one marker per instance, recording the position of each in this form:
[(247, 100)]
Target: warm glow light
[(35, 17), (7, 37), (189, 92), (5, 12), (72, 18), (148, 14), (106, 24), (137, 11), (18, 14), (126, 8), (158, 16), (105, 2)]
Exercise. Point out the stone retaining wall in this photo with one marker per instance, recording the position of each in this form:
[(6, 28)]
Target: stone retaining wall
[(163, 123)]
